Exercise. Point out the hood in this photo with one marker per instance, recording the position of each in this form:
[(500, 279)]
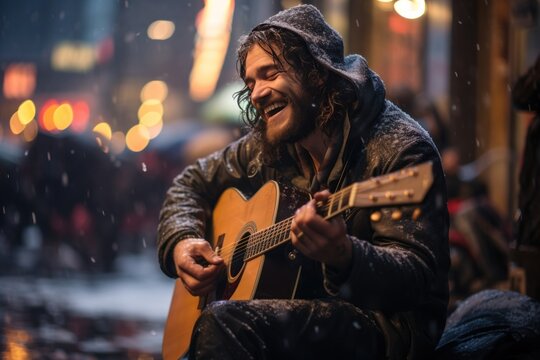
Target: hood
[(326, 46)]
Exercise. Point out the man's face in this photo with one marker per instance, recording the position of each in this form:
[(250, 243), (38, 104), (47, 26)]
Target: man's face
[(279, 97)]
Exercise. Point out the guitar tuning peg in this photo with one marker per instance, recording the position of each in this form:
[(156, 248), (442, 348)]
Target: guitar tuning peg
[(416, 214), (390, 195), (396, 215), (375, 216), (408, 193)]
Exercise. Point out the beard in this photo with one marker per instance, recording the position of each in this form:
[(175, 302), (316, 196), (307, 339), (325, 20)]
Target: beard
[(294, 131), (299, 127)]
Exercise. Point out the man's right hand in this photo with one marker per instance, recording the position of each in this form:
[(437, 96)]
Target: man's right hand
[(197, 265)]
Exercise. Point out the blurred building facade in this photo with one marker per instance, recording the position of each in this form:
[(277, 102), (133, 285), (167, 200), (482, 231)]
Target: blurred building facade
[(464, 56)]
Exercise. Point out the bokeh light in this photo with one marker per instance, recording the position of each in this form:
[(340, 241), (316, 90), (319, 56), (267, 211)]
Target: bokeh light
[(155, 89), (63, 116), (81, 116), (19, 80), (30, 131), (15, 124), (153, 122), (155, 130), (46, 117), (213, 35), (151, 119), (161, 30), (26, 112), (149, 106), (137, 138), (104, 130), (73, 56), (410, 9)]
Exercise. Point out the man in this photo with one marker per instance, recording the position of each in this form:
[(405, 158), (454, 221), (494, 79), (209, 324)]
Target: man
[(320, 122)]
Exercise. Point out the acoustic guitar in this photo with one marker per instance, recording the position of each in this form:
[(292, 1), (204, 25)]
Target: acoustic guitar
[(252, 236)]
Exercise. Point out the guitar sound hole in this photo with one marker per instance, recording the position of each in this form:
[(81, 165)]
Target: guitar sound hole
[(237, 262)]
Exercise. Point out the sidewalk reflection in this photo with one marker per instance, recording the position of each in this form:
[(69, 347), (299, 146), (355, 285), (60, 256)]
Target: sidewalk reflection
[(118, 316)]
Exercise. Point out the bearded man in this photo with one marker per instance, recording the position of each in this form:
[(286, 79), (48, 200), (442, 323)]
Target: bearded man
[(320, 122)]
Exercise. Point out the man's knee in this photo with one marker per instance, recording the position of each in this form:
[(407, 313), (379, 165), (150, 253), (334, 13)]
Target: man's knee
[(214, 313)]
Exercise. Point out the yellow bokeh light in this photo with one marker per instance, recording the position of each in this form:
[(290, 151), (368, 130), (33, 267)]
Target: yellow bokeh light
[(104, 130), (205, 72), (30, 131), (73, 56), (148, 106), (151, 119), (63, 116), (137, 138), (161, 30), (15, 124), (156, 90), (118, 142), (410, 9), (153, 122), (155, 129), (213, 35), (26, 112)]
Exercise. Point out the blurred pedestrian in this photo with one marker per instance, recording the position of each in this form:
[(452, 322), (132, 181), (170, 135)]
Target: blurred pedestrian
[(526, 97)]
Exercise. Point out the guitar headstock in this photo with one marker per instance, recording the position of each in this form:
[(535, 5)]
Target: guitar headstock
[(407, 186)]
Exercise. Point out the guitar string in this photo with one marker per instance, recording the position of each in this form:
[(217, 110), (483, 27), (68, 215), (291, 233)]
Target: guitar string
[(262, 237)]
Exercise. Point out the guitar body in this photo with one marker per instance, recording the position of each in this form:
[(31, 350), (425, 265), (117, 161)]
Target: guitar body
[(277, 274)]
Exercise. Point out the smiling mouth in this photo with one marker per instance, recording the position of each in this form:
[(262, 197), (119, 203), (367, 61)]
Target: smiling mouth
[(274, 108)]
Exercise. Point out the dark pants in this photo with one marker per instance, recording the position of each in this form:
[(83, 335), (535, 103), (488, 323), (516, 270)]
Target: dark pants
[(286, 329)]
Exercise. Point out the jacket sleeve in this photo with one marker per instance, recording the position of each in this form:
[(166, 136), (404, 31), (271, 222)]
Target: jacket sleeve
[(188, 203), (404, 263)]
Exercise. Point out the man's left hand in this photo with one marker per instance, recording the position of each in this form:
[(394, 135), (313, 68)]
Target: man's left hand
[(319, 239)]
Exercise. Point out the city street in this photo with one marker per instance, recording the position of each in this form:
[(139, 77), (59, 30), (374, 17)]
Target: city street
[(114, 316), (127, 126)]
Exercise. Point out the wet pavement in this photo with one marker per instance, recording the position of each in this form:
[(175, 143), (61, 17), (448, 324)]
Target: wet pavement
[(77, 316)]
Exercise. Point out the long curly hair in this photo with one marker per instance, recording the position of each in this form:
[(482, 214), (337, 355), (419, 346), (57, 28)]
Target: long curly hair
[(332, 98)]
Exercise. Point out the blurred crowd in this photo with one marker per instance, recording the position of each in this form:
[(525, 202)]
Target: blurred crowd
[(479, 236), (68, 205)]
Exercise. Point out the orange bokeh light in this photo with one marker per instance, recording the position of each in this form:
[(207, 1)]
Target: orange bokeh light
[(46, 115)]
